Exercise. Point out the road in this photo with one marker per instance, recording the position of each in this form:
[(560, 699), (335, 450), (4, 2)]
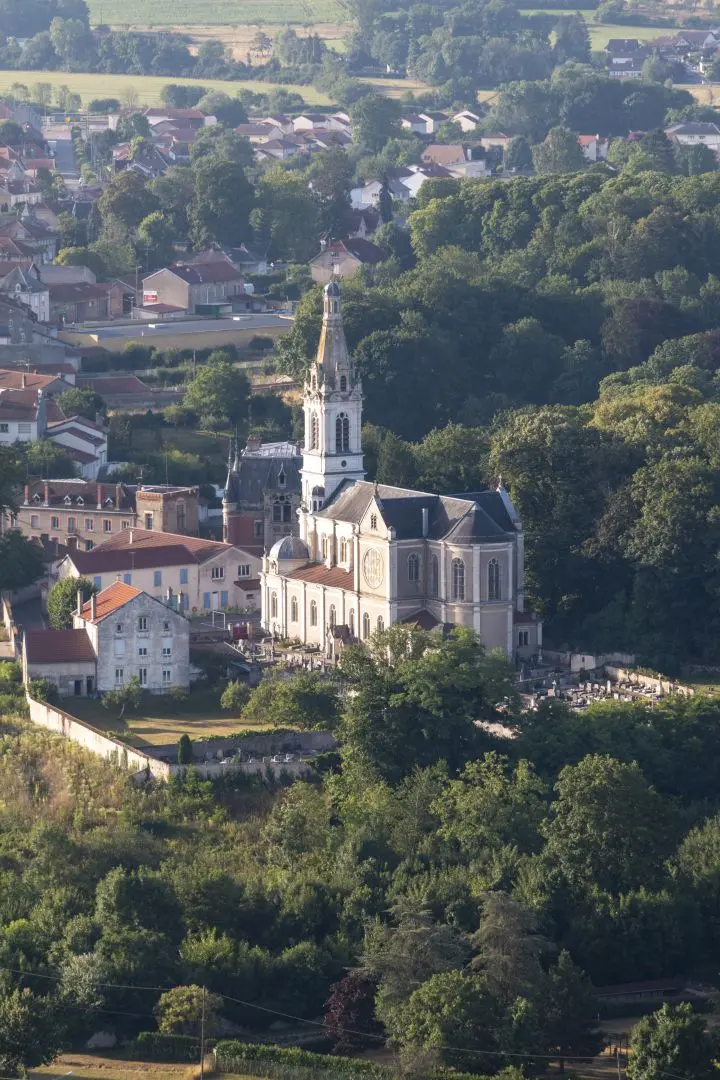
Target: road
[(140, 328), (58, 135)]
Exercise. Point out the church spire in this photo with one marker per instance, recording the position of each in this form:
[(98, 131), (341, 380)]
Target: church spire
[(332, 362)]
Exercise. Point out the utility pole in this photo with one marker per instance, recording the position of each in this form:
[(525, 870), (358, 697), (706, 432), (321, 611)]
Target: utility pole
[(202, 1037)]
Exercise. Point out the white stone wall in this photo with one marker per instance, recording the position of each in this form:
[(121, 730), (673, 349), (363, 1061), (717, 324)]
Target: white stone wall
[(120, 648)]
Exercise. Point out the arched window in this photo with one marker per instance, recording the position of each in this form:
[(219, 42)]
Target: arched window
[(373, 521), (435, 576), (351, 621), (314, 432), (366, 625), (294, 610), (313, 613), (458, 579), (332, 616), (342, 434), (343, 551), (343, 382), (277, 511), (493, 580), (273, 605), (413, 567), (324, 547), (380, 624)]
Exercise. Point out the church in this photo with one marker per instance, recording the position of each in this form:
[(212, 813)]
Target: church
[(371, 555)]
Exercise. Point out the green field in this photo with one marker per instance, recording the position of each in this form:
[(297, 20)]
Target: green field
[(165, 13), (161, 722), (147, 87)]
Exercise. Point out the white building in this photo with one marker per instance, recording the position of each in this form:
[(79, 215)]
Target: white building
[(202, 575), (371, 555), (695, 133), (118, 634)]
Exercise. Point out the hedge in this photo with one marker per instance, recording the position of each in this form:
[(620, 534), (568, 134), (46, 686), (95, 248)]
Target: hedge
[(153, 1046), (278, 1063)]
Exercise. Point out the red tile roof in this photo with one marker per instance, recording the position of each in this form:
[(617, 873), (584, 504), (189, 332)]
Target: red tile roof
[(58, 647), (24, 380), (319, 574), (109, 600)]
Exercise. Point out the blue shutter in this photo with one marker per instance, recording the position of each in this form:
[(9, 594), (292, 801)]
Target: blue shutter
[(223, 599), (206, 601)]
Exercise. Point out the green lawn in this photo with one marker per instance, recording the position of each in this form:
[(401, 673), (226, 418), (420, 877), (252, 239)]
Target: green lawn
[(147, 87), (162, 721)]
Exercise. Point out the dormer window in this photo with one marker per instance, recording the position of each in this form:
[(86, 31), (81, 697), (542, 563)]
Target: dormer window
[(36, 498), (67, 500), (281, 479), (109, 502), (80, 501)]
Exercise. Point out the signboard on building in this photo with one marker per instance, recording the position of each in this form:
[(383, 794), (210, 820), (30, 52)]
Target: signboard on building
[(150, 298)]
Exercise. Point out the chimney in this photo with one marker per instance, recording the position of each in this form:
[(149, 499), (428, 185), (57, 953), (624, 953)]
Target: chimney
[(130, 536), (79, 602), (254, 442), (99, 489), (168, 596), (118, 495), (46, 489), (26, 497), (425, 520), (93, 607), (24, 381), (181, 601)]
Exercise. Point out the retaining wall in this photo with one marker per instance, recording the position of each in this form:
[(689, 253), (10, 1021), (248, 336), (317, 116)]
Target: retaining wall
[(667, 686)]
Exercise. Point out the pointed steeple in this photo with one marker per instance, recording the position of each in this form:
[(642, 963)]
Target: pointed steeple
[(333, 359)]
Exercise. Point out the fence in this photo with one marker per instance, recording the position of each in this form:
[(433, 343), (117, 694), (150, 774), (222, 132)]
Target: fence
[(657, 682)]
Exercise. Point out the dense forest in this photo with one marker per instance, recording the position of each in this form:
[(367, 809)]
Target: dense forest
[(437, 887)]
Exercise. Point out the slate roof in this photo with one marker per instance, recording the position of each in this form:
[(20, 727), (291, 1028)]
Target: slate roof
[(693, 127), (59, 647), (256, 475), (59, 490), (479, 516)]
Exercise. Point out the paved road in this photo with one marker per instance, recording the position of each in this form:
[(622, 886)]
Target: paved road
[(58, 135), (188, 326)]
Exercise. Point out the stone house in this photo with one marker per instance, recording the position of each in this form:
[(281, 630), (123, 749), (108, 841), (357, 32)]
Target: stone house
[(343, 258), (185, 286), (25, 285), (120, 633)]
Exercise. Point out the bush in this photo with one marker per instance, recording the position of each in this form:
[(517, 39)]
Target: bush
[(43, 690), (184, 750), (233, 1056), (152, 1046), (235, 697), (10, 675)]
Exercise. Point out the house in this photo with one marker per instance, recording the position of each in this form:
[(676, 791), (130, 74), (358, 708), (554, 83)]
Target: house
[(210, 575), (262, 495), (181, 117), (626, 69), (311, 122), (594, 147), (496, 140), (445, 154), (363, 222), (369, 193), (84, 440), (27, 287), (621, 49), (433, 121), (413, 122), (82, 302), (261, 131), (250, 258), (371, 555), (82, 513), (66, 275), (192, 285), (695, 133), (118, 634), (698, 40), (466, 120), (343, 258), (283, 148)]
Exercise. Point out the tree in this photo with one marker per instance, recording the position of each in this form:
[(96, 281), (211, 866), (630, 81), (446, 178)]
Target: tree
[(305, 701), (137, 900), (674, 1039), (220, 208), (509, 948), (188, 1010), (219, 393), (156, 239), (330, 176), (21, 561), (63, 599), (10, 133), (127, 198), (219, 142), (184, 750), (235, 696), (572, 39), (570, 1012), (127, 697), (607, 828), (385, 203), (518, 154), (83, 256), (30, 1034), (286, 215), (559, 153), (79, 402), (375, 119), (350, 1014)]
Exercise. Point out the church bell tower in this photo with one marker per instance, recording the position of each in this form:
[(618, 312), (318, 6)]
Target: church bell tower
[(332, 401)]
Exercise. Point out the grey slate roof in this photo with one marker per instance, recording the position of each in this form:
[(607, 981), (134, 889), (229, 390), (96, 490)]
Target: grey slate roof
[(479, 516), (257, 475)]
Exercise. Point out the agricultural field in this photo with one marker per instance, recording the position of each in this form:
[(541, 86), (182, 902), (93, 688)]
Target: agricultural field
[(238, 39), (167, 13), (146, 87), (102, 1067)]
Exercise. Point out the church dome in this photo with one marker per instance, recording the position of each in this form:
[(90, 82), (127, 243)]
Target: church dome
[(290, 548), (333, 289)]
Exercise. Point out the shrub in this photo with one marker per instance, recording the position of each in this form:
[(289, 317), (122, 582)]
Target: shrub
[(43, 690), (235, 697), (184, 750), (153, 1046)]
